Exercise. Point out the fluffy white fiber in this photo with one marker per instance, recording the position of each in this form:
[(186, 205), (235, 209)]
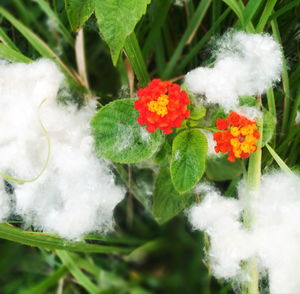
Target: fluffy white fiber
[(246, 64), (76, 194), (274, 238)]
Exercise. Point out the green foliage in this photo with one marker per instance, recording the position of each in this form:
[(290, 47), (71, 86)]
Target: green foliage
[(53, 242), (118, 135), (198, 112), (82, 279), (79, 12), (220, 169), (247, 101), (167, 202), (116, 22), (188, 159), (10, 54), (269, 127)]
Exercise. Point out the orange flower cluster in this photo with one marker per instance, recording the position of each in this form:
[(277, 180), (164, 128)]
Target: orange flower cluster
[(162, 105), (238, 136)]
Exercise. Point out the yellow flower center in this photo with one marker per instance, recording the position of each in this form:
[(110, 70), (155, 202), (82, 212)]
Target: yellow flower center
[(159, 106), (235, 131)]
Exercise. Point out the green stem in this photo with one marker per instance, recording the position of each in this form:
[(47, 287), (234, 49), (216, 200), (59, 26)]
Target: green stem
[(253, 184), (135, 56)]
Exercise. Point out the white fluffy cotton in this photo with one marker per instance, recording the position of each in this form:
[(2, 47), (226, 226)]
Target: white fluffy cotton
[(246, 64), (274, 238), (76, 194), (5, 205)]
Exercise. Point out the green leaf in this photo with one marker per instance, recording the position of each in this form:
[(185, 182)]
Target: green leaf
[(79, 12), (277, 158), (269, 127), (10, 54), (48, 241), (221, 169), (76, 272), (118, 135), (188, 159), (198, 112), (117, 20), (167, 202)]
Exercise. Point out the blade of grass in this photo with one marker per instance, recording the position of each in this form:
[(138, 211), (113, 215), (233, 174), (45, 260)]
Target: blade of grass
[(53, 16), (193, 52), (285, 81), (271, 101), (248, 13), (295, 108), (237, 8), (160, 59), (272, 108), (10, 54), (120, 240), (4, 38), (195, 22), (45, 284), (161, 12), (287, 6), (135, 56), (216, 13), (265, 15), (295, 76), (76, 272), (29, 17), (38, 44), (294, 151), (11, 233), (279, 161)]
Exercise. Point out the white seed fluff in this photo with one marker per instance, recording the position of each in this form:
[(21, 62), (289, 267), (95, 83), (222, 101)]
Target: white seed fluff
[(274, 238), (5, 204), (246, 64), (76, 194)]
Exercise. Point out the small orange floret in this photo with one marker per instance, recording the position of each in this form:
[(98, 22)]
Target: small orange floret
[(238, 136), (162, 105)]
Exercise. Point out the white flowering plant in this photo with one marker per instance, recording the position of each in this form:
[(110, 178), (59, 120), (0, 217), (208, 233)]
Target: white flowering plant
[(150, 146)]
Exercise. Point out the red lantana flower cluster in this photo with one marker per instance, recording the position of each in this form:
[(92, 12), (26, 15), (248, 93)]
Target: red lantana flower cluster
[(237, 137), (162, 105)]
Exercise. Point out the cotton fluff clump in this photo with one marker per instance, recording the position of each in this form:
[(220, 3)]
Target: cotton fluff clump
[(4, 203), (246, 64), (76, 194), (274, 238)]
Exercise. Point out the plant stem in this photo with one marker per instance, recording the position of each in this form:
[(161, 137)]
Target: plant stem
[(80, 58), (253, 184)]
